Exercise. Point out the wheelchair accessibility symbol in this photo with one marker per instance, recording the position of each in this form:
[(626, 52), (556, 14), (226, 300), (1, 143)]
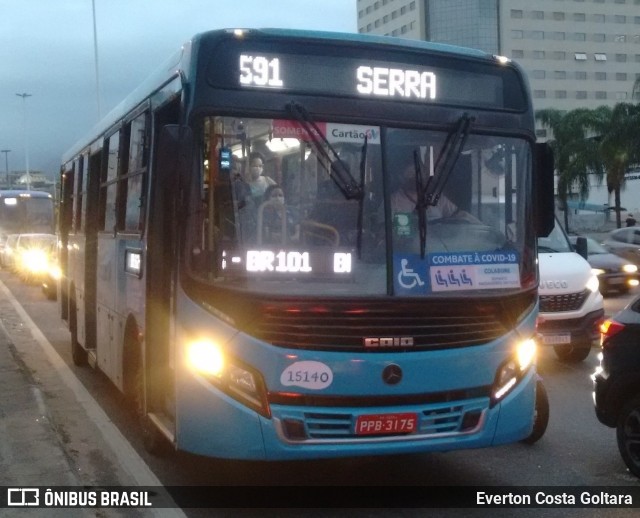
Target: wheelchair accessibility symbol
[(407, 277)]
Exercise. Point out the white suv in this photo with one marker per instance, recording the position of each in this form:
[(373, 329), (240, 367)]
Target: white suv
[(571, 306)]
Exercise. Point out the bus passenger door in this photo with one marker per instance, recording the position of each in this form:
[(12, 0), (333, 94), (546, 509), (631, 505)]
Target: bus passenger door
[(107, 347), (86, 257), (161, 274), (64, 227)]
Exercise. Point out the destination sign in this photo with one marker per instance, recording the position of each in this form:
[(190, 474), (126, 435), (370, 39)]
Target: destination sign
[(262, 71), (421, 78), (297, 263)]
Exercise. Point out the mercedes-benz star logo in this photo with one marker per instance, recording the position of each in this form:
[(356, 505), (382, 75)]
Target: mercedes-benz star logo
[(392, 374)]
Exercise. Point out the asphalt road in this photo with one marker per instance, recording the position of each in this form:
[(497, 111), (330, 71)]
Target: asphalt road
[(576, 450)]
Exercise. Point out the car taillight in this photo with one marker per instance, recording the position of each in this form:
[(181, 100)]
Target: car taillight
[(609, 328)]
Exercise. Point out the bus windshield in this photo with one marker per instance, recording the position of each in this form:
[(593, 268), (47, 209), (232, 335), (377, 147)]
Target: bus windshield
[(26, 213), (343, 210)]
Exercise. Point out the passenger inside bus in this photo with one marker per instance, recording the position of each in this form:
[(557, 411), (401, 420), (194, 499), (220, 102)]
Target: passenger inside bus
[(257, 180), (276, 222), (333, 210), (448, 222), (404, 197), (241, 189)]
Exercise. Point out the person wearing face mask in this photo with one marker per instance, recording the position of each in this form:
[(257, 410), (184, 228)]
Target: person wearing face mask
[(275, 216), (257, 181)]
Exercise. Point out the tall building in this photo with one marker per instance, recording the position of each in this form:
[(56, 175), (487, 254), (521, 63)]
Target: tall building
[(576, 53)]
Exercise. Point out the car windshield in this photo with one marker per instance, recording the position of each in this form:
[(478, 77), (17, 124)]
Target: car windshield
[(36, 240), (594, 248), (345, 210), (556, 241)]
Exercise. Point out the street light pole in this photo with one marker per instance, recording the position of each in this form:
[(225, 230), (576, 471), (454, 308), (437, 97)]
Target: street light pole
[(26, 139), (95, 57), (6, 164)]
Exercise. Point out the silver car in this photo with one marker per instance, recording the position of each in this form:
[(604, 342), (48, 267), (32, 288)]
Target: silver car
[(624, 242)]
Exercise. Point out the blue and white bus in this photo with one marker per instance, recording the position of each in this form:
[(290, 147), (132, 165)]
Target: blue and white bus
[(329, 319)]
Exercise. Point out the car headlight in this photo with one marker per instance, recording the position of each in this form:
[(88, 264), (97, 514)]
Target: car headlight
[(513, 370), (593, 284), (34, 261), (630, 268), (233, 377), (597, 271)]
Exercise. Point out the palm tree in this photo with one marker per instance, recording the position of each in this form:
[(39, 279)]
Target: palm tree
[(635, 92), (618, 131), (574, 153)]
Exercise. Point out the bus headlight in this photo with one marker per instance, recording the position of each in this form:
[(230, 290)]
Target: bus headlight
[(513, 370), (205, 358), (233, 377)]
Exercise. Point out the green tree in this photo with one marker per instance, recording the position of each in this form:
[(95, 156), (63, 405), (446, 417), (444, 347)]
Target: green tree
[(574, 151), (635, 92), (618, 137)]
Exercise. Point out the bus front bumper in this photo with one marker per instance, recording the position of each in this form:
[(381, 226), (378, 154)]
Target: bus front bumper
[(313, 432)]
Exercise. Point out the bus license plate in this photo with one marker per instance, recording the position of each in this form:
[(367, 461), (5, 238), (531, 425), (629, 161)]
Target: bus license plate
[(379, 424), (557, 339)]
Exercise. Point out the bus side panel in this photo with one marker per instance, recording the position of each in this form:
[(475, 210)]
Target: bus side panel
[(515, 414), (75, 274), (106, 350), (129, 299), (212, 423)]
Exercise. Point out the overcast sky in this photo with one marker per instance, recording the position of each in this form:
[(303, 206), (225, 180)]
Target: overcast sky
[(47, 50)]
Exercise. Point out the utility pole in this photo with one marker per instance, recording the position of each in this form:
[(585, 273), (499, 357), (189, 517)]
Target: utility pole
[(95, 58), (26, 139)]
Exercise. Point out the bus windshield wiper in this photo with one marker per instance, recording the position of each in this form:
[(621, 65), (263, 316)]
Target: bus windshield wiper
[(446, 161), (338, 170), (363, 166), (421, 206)]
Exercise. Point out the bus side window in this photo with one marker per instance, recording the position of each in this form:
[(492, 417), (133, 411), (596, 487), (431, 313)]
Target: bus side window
[(137, 170), (78, 198), (67, 199), (109, 183)]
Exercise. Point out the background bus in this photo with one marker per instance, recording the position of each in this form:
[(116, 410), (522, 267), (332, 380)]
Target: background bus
[(24, 212), (324, 321)]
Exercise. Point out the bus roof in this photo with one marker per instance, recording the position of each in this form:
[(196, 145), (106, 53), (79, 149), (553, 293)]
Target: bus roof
[(176, 66), (365, 39)]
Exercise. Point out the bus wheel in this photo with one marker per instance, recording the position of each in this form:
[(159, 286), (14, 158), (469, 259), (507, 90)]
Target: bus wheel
[(541, 414), (572, 353), (152, 439), (78, 353)]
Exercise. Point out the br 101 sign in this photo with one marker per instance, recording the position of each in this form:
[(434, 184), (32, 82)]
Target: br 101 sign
[(307, 263)]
